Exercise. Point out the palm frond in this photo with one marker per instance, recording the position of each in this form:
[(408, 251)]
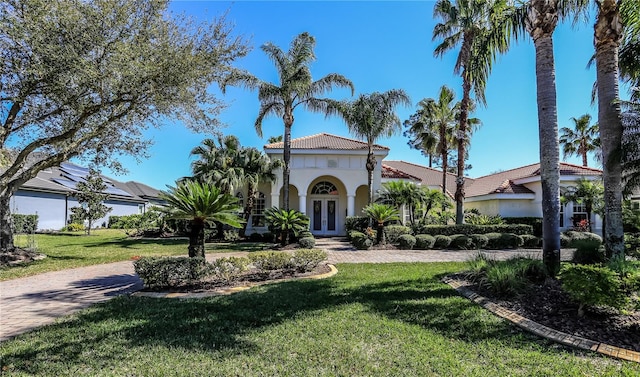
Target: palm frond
[(267, 109)]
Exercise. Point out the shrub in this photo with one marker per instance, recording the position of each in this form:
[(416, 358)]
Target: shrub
[(231, 235), (271, 260), (306, 242), (504, 241), (308, 259), (564, 240), (227, 269), (592, 285), (468, 229), (534, 222), (357, 223), (478, 267), (588, 251), (73, 227), (406, 241), (462, 242), (165, 272), (479, 241), (441, 242), (476, 219), (632, 244), (531, 241), (25, 224), (504, 279), (424, 242), (509, 277), (575, 236), (267, 237), (255, 237), (393, 232), (360, 240)]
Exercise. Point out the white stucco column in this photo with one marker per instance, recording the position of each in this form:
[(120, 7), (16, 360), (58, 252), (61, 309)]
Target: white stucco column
[(275, 200), (351, 204), (302, 203)]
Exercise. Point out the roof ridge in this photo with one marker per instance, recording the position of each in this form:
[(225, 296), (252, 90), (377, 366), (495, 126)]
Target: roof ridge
[(426, 167), (508, 170), (580, 166)]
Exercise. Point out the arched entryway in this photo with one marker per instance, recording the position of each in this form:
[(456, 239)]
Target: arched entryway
[(326, 206)]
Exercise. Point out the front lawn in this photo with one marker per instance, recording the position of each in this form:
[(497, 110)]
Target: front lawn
[(369, 320)]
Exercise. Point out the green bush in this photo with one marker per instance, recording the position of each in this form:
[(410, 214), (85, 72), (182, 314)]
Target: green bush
[(588, 251), (506, 278), (308, 259), (357, 223), (462, 242), (166, 272), (24, 224), (271, 260), (74, 227), (592, 285), (227, 269), (534, 222), (468, 229), (125, 222), (393, 232), (231, 235), (306, 242), (406, 241), (479, 241), (504, 241), (267, 237), (531, 241), (424, 242), (255, 237), (360, 240), (441, 242), (565, 240), (575, 236), (632, 244)]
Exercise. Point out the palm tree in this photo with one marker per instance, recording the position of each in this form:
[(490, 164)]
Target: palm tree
[(257, 167), (435, 125), (581, 139), (370, 117), (402, 194), (380, 214), (296, 88), (200, 202), (608, 33), (588, 193), (216, 162), (480, 28), (286, 222), (539, 19)]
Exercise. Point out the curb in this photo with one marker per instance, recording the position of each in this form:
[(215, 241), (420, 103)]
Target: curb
[(541, 330), (228, 291)]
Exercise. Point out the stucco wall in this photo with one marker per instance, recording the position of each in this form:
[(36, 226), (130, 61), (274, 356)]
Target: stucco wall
[(49, 207)]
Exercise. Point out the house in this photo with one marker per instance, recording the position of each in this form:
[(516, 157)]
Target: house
[(50, 196), (328, 182)]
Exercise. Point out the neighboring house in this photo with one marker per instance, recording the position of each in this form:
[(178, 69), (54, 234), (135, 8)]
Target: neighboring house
[(50, 196), (426, 176)]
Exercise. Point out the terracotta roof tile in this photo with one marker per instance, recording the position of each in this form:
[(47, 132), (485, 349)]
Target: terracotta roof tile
[(326, 141), (427, 176), (390, 172)]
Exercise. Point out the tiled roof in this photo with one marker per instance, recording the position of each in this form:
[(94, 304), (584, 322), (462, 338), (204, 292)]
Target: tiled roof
[(503, 182), (390, 172), (427, 176), (326, 141)]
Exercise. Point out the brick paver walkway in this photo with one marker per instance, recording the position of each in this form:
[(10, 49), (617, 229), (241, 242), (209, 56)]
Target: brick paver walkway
[(30, 302)]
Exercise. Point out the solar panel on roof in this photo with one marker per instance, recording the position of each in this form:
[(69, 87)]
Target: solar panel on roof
[(117, 191), (65, 182)]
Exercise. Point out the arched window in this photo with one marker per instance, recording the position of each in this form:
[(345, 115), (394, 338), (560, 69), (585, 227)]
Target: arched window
[(257, 217), (324, 188)]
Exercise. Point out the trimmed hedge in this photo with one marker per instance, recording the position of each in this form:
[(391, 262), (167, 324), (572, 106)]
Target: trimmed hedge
[(504, 241), (531, 241), (357, 223), (271, 260), (163, 272), (424, 242), (393, 232), (468, 229), (441, 241), (480, 241), (406, 241), (307, 259), (535, 222), (360, 240), (306, 242), (24, 224)]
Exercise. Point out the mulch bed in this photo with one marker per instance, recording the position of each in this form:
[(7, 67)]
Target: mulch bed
[(549, 305), (19, 256)]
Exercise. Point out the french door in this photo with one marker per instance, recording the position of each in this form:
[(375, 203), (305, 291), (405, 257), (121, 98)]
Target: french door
[(324, 217)]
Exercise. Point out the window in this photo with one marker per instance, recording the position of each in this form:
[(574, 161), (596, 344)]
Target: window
[(324, 188), (579, 213), (561, 215), (635, 205), (257, 216)]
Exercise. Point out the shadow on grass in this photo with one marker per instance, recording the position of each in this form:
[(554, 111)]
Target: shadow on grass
[(221, 324), (132, 242), (223, 247)]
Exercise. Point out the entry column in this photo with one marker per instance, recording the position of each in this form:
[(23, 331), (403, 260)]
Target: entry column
[(302, 203), (351, 204)]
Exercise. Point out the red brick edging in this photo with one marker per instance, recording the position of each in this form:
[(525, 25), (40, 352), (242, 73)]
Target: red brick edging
[(543, 331)]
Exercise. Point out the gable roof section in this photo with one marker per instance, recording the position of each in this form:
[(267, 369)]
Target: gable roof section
[(326, 141), (393, 173), (142, 190), (427, 176), (504, 182)]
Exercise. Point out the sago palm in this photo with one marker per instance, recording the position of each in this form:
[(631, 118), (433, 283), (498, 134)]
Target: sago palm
[(370, 117), (380, 214), (286, 221), (296, 88), (579, 140), (200, 202), (481, 30)]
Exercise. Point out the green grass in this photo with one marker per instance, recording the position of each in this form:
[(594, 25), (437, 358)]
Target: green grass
[(369, 320)]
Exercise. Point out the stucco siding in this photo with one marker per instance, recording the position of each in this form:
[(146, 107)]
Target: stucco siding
[(49, 207)]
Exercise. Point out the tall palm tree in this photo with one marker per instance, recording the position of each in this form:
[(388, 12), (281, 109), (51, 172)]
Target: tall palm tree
[(370, 117), (581, 139), (296, 88), (437, 125), (257, 167), (479, 28), (216, 162), (539, 19), (200, 203), (403, 194), (608, 33)]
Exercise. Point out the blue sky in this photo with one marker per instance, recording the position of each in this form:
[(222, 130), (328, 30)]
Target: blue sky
[(380, 45)]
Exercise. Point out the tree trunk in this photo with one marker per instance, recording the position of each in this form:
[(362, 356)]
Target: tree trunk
[(462, 137), (248, 208), (445, 166), (6, 223), (584, 159), (196, 239), (371, 165), (288, 122), (549, 151), (608, 34)]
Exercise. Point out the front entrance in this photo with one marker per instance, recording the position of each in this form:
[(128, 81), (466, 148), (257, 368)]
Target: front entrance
[(323, 218)]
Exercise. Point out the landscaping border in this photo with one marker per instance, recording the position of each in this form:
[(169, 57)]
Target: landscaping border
[(541, 330)]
